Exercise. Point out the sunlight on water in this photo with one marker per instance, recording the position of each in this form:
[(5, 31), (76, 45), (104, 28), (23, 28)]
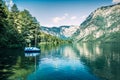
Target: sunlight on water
[(61, 64), (58, 63), (68, 52)]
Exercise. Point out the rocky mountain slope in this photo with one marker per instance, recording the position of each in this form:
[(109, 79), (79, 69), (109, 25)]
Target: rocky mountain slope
[(101, 25), (63, 32)]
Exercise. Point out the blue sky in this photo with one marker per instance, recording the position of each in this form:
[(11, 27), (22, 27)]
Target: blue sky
[(61, 12)]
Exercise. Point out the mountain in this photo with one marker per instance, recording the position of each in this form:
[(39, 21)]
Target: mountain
[(63, 32), (101, 25)]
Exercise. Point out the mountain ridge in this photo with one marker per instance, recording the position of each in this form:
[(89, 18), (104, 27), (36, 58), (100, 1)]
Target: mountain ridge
[(63, 32), (103, 24)]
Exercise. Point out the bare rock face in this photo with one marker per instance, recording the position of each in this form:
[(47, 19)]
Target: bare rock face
[(63, 32), (101, 25)]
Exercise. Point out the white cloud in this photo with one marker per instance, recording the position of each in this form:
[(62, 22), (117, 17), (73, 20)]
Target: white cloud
[(66, 14), (116, 1), (67, 19), (73, 17), (58, 19)]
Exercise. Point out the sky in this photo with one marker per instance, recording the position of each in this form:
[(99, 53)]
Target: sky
[(61, 12)]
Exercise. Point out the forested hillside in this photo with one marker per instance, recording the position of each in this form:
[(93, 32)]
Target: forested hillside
[(19, 28)]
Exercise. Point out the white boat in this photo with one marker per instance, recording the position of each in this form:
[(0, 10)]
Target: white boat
[(31, 49)]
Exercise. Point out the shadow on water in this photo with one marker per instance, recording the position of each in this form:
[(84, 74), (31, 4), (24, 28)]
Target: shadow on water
[(8, 58), (14, 65)]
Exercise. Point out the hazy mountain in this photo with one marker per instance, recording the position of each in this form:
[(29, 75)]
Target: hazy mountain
[(101, 25), (63, 32)]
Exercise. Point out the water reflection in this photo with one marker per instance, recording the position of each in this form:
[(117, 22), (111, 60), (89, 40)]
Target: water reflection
[(61, 63), (89, 51), (32, 54), (61, 69), (103, 59), (14, 65), (81, 61)]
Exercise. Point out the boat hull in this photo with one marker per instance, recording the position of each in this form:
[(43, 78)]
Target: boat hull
[(31, 49)]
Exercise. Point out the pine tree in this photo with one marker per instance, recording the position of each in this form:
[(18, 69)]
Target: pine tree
[(9, 36), (14, 9), (3, 17)]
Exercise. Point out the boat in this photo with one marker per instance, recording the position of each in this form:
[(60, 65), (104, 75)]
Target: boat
[(31, 49)]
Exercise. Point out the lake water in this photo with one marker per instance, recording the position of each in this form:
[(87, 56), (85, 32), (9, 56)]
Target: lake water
[(80, 61)]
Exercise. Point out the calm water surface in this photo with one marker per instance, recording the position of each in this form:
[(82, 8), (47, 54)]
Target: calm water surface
[(81, 61)]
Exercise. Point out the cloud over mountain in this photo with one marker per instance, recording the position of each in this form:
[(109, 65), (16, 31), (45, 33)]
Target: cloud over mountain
[(116, 1), (58, 19)]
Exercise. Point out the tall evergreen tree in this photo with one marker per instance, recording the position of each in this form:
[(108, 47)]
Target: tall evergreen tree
[(3, 17), (9, 36), (14, 8)]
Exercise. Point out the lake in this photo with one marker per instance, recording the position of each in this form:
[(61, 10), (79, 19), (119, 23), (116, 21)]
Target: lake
[(79, 61)]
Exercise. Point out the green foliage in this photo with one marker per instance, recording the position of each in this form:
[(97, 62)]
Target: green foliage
[(14, 8), (28, 26), (6, 31), (49, 39), (99, 21), (20, 28), (9, 33)]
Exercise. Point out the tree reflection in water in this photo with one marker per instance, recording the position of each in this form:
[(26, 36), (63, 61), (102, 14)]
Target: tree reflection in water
[(79, 61), (14, 65)]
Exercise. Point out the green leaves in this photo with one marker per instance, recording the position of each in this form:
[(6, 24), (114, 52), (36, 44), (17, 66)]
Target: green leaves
[(20, 28)]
